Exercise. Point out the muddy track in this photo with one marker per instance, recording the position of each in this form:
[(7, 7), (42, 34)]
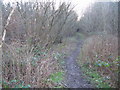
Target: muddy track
[(74, 77)]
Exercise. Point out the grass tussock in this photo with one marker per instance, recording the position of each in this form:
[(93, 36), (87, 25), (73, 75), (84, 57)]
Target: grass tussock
[(100, 52)]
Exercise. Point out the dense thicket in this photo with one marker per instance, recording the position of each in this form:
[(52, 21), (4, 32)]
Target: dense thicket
[(39, 22), (30, 29)]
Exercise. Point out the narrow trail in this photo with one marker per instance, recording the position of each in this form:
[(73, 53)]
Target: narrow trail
[(73, 76)]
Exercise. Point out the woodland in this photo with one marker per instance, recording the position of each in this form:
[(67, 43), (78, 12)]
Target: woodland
[(47, 47)]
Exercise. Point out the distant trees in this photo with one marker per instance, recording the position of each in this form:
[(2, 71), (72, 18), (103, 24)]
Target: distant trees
[(101, 17)]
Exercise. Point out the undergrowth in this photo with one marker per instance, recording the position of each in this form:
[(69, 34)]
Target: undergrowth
[(99, 60), (94, 77), (29, 67)]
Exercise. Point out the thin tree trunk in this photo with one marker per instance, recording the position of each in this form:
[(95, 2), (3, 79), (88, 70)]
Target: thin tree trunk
[(0, 43)]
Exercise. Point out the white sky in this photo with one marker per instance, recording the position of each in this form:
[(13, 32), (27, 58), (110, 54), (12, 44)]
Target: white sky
[(80, 5)]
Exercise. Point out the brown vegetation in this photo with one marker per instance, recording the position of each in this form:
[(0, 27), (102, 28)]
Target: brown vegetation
[(100, 49), (101, 52), (32, 30), (19, 63), (29, 31)]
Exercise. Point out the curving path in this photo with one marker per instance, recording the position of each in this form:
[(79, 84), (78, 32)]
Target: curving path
[(73, 76)]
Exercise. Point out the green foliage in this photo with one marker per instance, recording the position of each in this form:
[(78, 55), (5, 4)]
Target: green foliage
[(80, 35), (15, 84), (117, 61), (5, 84), (34, 61), (18, 50), (56, 77), (57, 55), (100, 63), (38, 51), (59, 58), (59, 87), (95, 77)]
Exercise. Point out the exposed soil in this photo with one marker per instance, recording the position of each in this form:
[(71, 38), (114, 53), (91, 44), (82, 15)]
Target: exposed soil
[(74, 77)]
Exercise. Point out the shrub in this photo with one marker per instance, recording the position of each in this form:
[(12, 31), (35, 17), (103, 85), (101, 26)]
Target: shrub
[(101, 52), (30, 65)]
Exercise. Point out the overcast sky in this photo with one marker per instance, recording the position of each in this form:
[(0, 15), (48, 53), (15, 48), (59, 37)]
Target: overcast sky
[(80, 5)]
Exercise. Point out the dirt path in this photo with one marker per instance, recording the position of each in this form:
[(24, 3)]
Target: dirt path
[(73, 77)]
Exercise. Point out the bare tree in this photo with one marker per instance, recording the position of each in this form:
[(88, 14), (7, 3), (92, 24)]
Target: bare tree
[(39, 25)]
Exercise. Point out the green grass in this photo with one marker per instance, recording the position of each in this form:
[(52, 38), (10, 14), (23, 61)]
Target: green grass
[(80, 35), (57, 77)]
